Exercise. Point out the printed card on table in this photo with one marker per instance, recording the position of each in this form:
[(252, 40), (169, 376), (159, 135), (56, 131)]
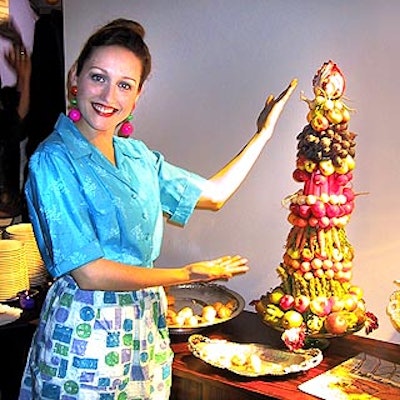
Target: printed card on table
[(363, 377)]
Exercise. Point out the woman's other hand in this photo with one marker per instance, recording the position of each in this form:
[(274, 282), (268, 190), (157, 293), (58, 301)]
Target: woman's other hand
[(220, 268)]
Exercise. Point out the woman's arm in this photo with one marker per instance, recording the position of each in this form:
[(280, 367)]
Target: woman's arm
[(224, 183), (104, 274)]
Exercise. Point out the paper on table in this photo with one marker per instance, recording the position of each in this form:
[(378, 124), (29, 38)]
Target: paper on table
[(362, 377)]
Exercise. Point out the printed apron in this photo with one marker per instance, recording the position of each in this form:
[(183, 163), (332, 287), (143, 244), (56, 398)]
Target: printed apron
[(99, 345)]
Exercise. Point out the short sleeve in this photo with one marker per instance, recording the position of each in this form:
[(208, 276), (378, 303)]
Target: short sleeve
[(180, 190), (59, 214)]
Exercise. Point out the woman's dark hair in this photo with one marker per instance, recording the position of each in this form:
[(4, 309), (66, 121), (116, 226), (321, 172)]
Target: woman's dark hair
[(119, 32)]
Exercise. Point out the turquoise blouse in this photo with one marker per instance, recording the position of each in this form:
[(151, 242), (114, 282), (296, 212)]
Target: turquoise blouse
[(84, 208)]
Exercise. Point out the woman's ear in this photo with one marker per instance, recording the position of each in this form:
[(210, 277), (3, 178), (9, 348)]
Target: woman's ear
[(72, 78)]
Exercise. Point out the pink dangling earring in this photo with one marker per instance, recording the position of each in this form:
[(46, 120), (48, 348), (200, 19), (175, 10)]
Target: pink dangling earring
[(74, 114), (126, 129)]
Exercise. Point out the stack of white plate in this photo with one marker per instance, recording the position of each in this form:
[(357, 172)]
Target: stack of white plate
[(13, 269), (23, 232)]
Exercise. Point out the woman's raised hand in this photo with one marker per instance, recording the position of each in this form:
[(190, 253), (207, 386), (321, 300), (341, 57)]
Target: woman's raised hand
[(220, 268), (273, 108)]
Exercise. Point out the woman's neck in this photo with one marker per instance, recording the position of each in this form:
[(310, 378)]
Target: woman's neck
[(103, 141), (106, 146)]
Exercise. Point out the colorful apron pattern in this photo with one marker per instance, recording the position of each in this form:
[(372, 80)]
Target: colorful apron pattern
[(99, 345)]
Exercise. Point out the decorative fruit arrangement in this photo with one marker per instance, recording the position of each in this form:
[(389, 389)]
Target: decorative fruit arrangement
[(316, 295)]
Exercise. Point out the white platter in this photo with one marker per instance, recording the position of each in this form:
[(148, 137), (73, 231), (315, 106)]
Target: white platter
[(252, 359)]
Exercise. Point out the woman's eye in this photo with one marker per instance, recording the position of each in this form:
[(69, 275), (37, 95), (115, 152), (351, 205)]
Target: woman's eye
[(98, 78), (125, 85)]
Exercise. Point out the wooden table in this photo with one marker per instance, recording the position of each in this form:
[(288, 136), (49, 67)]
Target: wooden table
[(194, 379)]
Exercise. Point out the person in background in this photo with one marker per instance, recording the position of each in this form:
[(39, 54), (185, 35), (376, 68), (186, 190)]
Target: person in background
[(47, 87), (96, 198), (14, 106), (47, 84)]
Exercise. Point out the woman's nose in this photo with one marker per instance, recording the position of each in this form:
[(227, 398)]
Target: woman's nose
[(108, 93)]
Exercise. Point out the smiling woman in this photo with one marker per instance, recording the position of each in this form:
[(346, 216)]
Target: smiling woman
[(113, 193)]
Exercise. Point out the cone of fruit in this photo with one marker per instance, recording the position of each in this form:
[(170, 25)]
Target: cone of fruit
[(316, 296)]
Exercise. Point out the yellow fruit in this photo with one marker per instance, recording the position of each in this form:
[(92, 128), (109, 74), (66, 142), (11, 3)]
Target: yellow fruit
[(224, 312), (209, 313), (328, 105), (292, 319), (192, 321), (334, 116), (345, 115), (185, 312), (217, 305)]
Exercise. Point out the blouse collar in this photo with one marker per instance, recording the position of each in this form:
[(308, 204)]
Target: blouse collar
[(78, 146)]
